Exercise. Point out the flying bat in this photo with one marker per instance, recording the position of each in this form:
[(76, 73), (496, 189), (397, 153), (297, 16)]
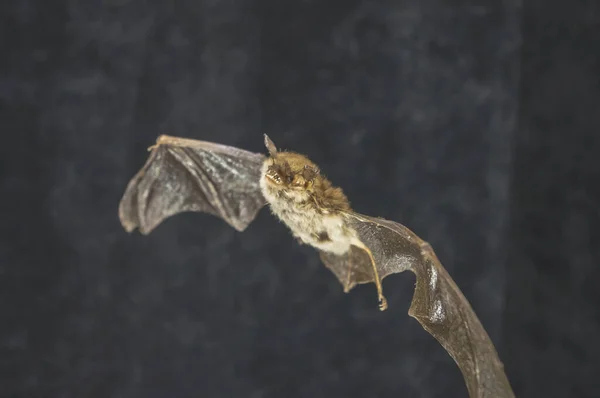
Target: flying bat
[(183, 175)]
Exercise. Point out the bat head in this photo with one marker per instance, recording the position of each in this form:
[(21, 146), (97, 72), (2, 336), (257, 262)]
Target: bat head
[(289, 170)]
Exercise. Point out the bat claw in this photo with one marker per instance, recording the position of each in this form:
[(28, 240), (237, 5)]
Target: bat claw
[(160, 140), (382, 303)]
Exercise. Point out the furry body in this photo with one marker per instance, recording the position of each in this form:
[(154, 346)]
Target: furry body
[(312, 208), (311, 211)]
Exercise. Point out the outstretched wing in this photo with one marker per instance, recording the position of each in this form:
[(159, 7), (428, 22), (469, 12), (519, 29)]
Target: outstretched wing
[(188, 175), (438, 304)]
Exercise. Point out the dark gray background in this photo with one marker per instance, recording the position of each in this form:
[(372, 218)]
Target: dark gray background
[(476, 124)]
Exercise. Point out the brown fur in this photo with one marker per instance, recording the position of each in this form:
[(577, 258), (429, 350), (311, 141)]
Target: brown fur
[(311, 207), (290, 165)]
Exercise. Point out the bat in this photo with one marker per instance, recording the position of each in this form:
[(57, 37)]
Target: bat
[(183, 175)]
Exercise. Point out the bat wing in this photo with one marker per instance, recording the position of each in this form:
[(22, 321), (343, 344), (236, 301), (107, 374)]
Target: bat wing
[(438, 304), (183, 175)]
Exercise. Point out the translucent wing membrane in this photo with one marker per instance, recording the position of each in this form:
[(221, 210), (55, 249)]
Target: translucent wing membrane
[(183, 175)]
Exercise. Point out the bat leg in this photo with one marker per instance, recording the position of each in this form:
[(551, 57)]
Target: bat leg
[(382, 300)]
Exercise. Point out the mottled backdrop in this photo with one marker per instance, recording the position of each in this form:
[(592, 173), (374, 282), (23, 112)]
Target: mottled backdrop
[(475, 123)]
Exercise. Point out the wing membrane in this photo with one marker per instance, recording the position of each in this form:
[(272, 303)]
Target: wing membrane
[(438, 304), (184, 175)]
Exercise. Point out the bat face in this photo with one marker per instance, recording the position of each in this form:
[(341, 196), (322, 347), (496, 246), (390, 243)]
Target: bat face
[(292, 175), (291, 171), (288, 170)]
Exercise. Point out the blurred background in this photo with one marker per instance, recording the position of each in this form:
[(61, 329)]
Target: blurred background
[(475, 124)]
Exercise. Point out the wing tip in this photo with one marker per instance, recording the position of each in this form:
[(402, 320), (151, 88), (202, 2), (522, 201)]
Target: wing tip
[(127, 224), (240, 227), (130, 227)]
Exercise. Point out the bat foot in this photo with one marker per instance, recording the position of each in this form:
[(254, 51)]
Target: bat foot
[(382, 301)]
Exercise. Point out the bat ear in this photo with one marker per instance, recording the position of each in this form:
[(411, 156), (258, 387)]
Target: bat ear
[(310, 172), (270, 146)]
